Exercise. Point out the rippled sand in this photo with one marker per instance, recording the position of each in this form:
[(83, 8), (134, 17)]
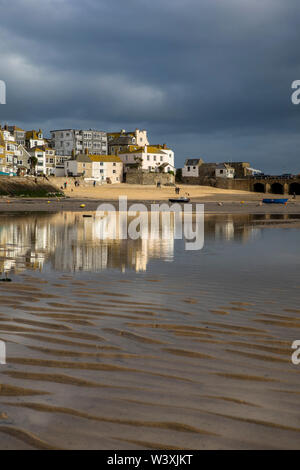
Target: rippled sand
[(91, 368)]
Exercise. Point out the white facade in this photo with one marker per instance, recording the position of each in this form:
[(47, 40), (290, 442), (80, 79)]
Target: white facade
[(35, 139), (149, 158), (191, 167), (224, 171), (40, 154)]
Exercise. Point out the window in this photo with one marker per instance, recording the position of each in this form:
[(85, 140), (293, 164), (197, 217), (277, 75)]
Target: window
[(114, 164), (101, 171), (188, 168), (114, 171), (154, 158), (148, 157)]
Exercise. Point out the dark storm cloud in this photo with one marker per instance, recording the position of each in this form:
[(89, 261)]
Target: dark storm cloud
[(210, 77)]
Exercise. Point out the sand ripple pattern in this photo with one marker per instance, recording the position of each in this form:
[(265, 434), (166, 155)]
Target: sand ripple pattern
[(92, 367)]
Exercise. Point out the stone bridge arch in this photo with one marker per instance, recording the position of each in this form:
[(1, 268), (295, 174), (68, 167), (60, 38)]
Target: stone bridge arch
[(294, 188), (259, 187), (277, 188)]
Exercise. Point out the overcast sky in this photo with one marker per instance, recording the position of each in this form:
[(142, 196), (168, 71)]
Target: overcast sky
[(211, 78)]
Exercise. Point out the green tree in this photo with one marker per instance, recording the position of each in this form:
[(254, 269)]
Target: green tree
[(33, 163), (179, 174)]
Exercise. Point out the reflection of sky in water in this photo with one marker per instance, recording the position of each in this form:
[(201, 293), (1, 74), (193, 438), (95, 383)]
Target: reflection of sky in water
[(238, 257)]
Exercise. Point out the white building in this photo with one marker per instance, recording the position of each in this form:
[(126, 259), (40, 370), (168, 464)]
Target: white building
[(34, 139), (65, 141), (191, 167), (40, 154), (223, 170), (149, 158)]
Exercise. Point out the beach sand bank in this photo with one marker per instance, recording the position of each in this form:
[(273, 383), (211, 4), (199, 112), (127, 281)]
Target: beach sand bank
[(215, 200)]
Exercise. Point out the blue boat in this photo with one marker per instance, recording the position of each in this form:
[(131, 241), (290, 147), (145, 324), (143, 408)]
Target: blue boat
[(275, 201)]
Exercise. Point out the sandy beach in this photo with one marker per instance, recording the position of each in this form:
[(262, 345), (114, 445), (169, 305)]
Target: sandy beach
[(92, 366), (148, 193), (215, 200)]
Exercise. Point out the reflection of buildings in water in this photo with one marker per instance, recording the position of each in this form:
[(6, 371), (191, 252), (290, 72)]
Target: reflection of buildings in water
[(90, 252), (72, 243), (230, 227), (225, 230)]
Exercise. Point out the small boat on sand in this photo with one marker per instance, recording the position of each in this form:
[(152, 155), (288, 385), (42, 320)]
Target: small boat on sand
[(179, 199), (275, 201)]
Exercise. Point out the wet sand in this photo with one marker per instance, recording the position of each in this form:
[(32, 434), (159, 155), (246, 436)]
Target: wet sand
[(247, 203), (92, 367)]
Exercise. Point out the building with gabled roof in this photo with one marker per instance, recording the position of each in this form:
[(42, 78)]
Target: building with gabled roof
[(191, 167), (18, 134), (148, 158), (34, 138), (119, 141), (223, 170)]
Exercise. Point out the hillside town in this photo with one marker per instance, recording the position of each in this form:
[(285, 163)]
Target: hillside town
[(101, 156)]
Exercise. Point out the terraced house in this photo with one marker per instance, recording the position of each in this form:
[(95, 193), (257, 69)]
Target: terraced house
[(18, 134), (40, 154), (9, 152)]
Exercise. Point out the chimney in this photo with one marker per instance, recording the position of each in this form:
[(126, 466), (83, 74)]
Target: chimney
[(145, 149), (164, 146)]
